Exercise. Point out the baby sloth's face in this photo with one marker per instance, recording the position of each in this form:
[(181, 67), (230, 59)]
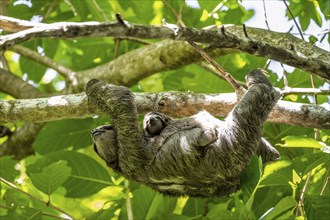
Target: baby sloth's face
[(154, 123)]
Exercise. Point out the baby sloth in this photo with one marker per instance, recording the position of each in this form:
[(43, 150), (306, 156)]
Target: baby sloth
[(155, 122), (199, 156)]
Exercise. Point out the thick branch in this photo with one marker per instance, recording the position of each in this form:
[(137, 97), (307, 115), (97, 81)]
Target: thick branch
[(282, 47), (172, 103)]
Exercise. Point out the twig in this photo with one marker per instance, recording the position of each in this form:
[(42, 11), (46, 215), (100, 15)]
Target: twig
[(288, 91), (66, 72), (121, 21), (117, 46), (294, 20), (326, 181), (50, 9), (134, 39), (224, 74), (100, 10), (285, 79), (212, 70), (34, 197), (265, 14), (74, 11)]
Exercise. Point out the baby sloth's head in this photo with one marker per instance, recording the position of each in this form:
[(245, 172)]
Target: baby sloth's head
[(154, 123)]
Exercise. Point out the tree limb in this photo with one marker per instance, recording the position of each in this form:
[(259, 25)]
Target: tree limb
[(171, 103), (282, 47)]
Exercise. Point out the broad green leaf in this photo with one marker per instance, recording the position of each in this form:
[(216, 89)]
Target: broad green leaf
[(208, 5), (220, 211), (15, 198), (270, 196), (306, 163), (194, 207), (7, 168), (63, 134), (87, 176), (147, 204), (325, 8), (250, 178), (23, 212), (317, 207), (286, 204), (300, 141), (51, 177), (103, 214), (277, 173)]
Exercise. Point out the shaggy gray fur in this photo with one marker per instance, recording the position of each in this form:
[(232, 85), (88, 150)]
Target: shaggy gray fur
[(155, 122), (197, 156)]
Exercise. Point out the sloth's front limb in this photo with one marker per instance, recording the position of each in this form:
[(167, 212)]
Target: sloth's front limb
[(242, 129), (118, 103)]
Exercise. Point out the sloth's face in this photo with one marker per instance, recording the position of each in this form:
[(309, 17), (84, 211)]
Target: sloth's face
[(105, 144), (153, 124)]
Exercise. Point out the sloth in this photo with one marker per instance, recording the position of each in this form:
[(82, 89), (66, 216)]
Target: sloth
[(198, 156), (155, 122)]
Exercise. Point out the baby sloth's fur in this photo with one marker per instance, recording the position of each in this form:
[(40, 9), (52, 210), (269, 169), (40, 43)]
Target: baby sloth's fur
[(196, 156)]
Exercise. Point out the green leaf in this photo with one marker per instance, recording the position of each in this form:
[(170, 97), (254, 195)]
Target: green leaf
[(24, 212), (208, 5), (306, 163), (194, 207), (300, 141), (220, 211), (282, 207), (250, 178), (87, 177), (277, 173), (7, 168), (317, 207), (147, 204), (325, 8), (312, 39), (51, 177), (104, 213), (63, 134)]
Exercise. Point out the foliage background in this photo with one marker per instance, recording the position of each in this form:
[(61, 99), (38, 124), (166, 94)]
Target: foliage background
[(65, 178)]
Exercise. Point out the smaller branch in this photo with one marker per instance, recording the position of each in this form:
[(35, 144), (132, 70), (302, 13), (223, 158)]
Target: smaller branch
[(300, 211), (100, 10), (19, 144), (66, 72), (50, 9), (294, 20), (265, 14), (212, 70), (224, 74), (33, 197), (134, 39), (121, 21), (288, 91), (9, 84), (15, 25), (74, 11), (173, 11)]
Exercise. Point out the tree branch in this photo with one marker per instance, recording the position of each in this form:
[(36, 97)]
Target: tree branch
[(171, 103), (282, 47)]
